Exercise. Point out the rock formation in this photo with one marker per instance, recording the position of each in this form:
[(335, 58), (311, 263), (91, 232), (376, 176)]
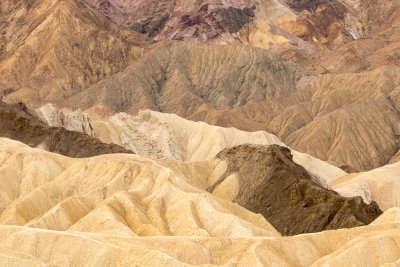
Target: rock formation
[(94, 210), (356, 247), (348, 119), (181, 78), (73, 196), (17, 123), (167, 136), (270, 183), (329, 73), (221, 21), (204, 92)]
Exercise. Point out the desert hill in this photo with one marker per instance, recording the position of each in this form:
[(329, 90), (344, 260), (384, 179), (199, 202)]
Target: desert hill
[(322, 22), (167, 136), (358, 247), (50, 50), (201, 132), (347, 119), (112, 208), (71, 195), (177, 77), (350, 118), (335, 35)]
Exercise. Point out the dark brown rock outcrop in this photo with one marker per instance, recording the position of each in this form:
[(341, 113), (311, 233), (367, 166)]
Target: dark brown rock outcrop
[(151, 26), (287, 196), (18, 124), (312, 5), (233, 19)]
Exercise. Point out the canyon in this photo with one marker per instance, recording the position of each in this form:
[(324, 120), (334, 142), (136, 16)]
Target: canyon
[(201, 132)]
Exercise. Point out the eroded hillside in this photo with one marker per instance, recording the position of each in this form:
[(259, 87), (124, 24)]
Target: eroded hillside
[(321, 75), (18, 123), (99, 207), (51, 50), (207, 132)]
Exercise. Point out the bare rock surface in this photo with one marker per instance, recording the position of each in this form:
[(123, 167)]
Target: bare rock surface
[(271, 184), (347, 119)]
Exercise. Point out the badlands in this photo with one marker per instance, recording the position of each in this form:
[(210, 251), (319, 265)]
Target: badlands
[(200, 132)]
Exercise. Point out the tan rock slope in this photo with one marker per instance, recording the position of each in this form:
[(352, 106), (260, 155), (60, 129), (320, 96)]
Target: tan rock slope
[(356, 247), (181, 78), (77, 194), (121, 195), (348, 119), (320, 75), (126, 210), (51, 50), (340, 35), (379, 43), (381, 185)]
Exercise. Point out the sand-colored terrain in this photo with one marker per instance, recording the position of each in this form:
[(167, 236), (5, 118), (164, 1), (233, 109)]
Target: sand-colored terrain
[(238, 120), (126, 210), (381, 185)]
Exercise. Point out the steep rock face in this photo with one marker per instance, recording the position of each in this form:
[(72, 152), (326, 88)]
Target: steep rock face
[(70, 120), (271, 184), (17, 123)]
